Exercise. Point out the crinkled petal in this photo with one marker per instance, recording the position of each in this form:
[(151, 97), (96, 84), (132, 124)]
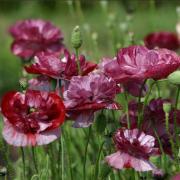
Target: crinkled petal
[(16, 138)]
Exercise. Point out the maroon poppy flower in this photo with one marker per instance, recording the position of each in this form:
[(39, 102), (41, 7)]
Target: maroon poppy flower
[(32, 118), (154, 121), (87, 94), (134, 149), (33, 36), (139, 63), (65, 68), (166, 40)]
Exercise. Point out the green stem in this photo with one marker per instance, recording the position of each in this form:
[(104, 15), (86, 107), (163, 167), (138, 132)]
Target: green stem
[(78, 62), (23, 160), (34, 159), (62, 158), (158, 89), (68, 140), (97, 161), (175, 115), (85, 154), (177, 97), (127, 110), (167, 122), (139, 103)]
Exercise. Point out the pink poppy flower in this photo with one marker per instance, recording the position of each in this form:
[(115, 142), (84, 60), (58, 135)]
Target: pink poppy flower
[(166, 40), (64, 68), (111, 68), (87, 94), (139, 63), (33, 36), (134, 149), (154, 121), (41, 83), (32, 118), (176, 177)]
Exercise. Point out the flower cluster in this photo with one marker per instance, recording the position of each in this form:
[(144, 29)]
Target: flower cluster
[(84, 88)]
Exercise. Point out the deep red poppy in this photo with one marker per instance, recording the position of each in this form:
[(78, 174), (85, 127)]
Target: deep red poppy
[(166, 40), (33, 118), (33, 36)]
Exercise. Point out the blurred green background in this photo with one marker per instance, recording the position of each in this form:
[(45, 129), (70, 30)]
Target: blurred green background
[(93, 16)]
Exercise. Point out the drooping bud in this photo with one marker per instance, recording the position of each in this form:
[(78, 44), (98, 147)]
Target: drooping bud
[(174, 78), (167, 107), (76, 38)]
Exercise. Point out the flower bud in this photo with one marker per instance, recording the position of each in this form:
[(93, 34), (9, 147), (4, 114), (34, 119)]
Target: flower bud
[(76, 38), (104, 4), (94, 36), (167, 107), (174, 77)]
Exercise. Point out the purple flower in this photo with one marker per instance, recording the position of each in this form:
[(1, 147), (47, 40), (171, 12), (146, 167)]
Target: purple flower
[(87, 94), (134, 149), (33, 36)]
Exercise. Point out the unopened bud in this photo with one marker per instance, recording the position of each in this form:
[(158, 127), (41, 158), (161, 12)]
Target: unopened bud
[(76, 38), (94, 36), (178, 11), (167, 107), (104, 4), (174, 77), (118, 46)]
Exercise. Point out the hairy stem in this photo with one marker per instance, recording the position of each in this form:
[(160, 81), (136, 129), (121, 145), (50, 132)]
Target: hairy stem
[(85, 154), (127, 110), (34, 159), (23, 160), (78, 62)]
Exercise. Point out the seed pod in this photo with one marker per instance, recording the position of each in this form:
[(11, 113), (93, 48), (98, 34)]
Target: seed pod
[(76, 38), (174, 78), (167, 107)]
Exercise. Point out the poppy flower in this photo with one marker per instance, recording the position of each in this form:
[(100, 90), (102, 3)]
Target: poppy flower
[(176, 177), (134, 149), (166, 40), (140, 63), (41, 83), (154, 121), (64, 68), (33, 118), (33, 36), (88, 94), (111, 68)]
